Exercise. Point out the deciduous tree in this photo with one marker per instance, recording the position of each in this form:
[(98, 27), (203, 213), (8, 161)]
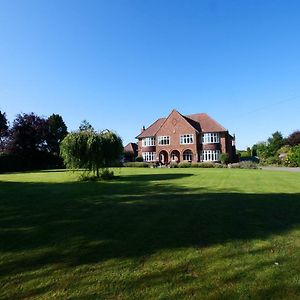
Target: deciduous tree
[(91, 150), (57, 130)]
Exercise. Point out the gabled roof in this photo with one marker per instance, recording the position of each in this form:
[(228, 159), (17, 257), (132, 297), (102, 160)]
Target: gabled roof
[(200, 122), (206, 123), (152, 129), (131, 147)]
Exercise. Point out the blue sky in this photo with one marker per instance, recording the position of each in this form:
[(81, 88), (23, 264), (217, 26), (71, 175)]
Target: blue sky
[(123, 64)]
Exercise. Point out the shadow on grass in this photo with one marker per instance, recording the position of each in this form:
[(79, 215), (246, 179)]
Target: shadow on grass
[(82, 223)]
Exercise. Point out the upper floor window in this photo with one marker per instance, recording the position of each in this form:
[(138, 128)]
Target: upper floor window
[(163, 140), (187, 139), (208, 138), (149, 141)]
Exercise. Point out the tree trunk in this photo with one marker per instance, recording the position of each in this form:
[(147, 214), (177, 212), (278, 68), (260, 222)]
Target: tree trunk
[(97, 172)]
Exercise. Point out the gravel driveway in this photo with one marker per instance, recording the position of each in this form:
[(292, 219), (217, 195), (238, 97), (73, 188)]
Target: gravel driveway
[(281, 169)]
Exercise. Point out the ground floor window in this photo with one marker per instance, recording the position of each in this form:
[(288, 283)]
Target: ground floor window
[(210, 155), (188, 155), (149, 156)]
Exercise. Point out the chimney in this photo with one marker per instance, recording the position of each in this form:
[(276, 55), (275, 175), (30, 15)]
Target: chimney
[(143, 129)]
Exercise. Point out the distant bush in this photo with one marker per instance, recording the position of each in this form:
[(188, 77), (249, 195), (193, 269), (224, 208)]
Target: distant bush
[(184, 165), (224, 158), (248, 165), (206, 165), (243, 165), (136, 164), (106, 174), (199, 165), (234, 166), (139, 159), (220, 166), (293, 157), (173, 165)]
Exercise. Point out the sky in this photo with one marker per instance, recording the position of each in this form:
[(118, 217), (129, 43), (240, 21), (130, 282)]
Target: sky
[(121, 64)]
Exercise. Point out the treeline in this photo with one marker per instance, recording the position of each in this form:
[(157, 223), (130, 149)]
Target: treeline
[(279, 150), (31, 142)]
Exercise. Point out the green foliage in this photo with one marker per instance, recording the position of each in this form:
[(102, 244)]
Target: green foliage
[(294, 138), (293, 157), (254, 150), (91, 150), (86, 126), (139, 159), (173, 165), (224, 158), (3, 130), (275, 142), (184, 165), (248, 165), (57, 132), (249, 153)]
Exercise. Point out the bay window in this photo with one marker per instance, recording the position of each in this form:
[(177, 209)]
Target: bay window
[(210, 155), (149, 156)]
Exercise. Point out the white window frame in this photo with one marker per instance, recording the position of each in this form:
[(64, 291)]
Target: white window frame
[(189, 154), (210, 155), (148, 141), (163, 140), (186, 139), (211, 138), (149, 156)]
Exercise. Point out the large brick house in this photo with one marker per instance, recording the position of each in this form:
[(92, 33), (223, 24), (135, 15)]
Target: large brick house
[(180, 138)]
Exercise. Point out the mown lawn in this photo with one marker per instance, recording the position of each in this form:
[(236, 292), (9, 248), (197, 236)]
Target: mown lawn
[(151, 234)]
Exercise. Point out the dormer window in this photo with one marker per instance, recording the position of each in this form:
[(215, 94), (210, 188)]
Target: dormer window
[(211, 138), (148, 141), (186, 139)]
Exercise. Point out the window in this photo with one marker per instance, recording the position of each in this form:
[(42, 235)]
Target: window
[(187, 139), (208, 138), (210, 155), (188, 155), (149, 141), (163, 140), (149, 156)]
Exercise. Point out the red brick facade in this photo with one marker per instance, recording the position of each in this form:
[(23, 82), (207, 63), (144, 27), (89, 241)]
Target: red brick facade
[(185, 138)]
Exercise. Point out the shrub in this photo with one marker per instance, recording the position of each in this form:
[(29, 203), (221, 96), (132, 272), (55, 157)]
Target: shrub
[(106, 174), (217, 165), (248, 165), (293, 157), (184, 165), (173, 165), (139, 159), (224, 158), (206, 165), (136, 164), (234, 166)]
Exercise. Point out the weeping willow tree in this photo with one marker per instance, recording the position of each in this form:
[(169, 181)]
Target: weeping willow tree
[(91, 150)]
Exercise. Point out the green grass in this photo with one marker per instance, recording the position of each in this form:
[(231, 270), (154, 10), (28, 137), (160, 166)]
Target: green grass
[(151, 234)]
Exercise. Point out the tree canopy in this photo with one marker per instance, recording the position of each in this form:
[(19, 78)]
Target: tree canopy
[(3, 129), (57, 130), (91, 150)]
